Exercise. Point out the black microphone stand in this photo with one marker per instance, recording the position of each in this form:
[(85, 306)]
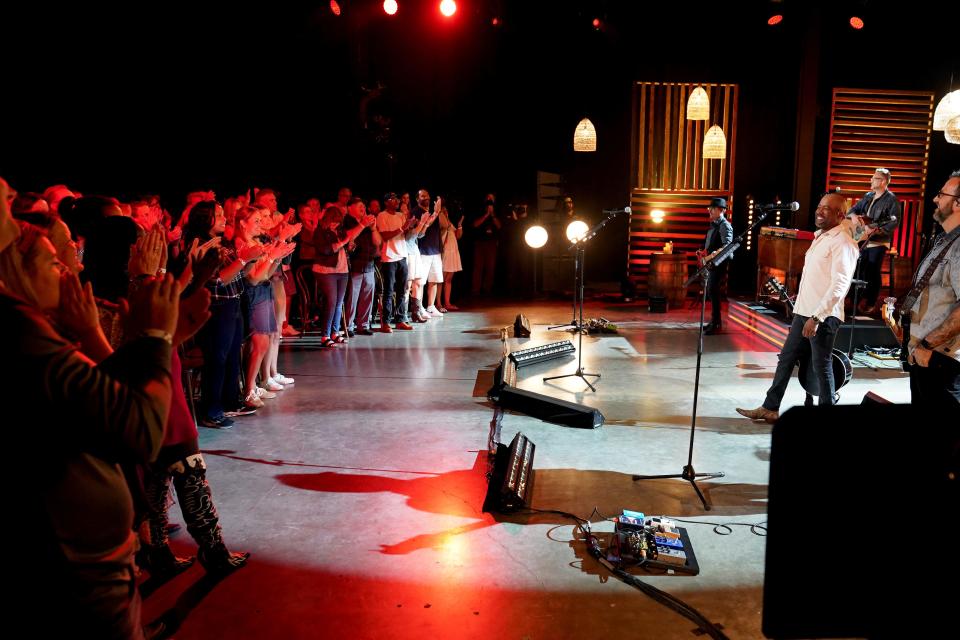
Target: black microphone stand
[(579, 245), (688, 473)]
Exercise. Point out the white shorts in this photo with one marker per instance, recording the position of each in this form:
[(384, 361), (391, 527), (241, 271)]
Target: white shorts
[(431, 268)]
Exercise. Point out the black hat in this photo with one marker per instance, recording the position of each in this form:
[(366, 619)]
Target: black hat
[(390, 195), (720, 203)]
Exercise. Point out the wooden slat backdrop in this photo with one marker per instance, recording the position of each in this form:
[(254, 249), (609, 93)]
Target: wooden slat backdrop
[(872, 128), (670, 172)]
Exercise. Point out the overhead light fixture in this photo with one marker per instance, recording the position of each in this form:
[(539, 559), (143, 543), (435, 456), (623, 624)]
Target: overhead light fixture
[(535, 237), (335, 7), (585, 136), (952, 130), (390, 7), (448, 7), (576, 230), (657, 216), (596, 23), (775, 19), (714, 144), (947, 109), (698, 105), (856, 22)]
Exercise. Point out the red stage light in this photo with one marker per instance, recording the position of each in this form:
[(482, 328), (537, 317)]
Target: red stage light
[(335, 7), (596, 23), (495, 22), (448, 7), (390, 7), (856, 23), (777, 19)]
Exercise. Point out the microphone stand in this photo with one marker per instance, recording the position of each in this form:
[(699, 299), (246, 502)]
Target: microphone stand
[(579, 297), (688, 473)]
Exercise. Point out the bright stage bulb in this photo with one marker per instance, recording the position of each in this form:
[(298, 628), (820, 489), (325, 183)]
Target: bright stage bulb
[(576, 230), (390, 7), (657, 215), (536, 236), (448, 7)]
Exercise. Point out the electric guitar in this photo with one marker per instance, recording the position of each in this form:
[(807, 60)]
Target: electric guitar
[(842, 369), (898, 322)]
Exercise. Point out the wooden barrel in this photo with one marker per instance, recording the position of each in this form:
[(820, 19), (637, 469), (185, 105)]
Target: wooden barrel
[(668, 272)]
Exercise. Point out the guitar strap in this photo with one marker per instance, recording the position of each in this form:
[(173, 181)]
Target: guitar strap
[(903, 308)]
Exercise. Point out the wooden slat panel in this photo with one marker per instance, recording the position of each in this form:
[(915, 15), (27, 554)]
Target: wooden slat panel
[(873, 128)]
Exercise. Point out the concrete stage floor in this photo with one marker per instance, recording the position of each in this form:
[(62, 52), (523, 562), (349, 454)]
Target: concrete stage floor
[(359, 489)]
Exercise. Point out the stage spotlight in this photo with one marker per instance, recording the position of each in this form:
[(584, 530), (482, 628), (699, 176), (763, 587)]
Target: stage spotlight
[(335, 7), (596, 23), (448, 7), (496, 21), (775, 19), (536, 236), (390, 7), (657, 215), (576, 230), (856, 22)]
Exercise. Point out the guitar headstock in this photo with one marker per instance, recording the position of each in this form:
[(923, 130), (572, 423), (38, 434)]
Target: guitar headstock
[(775, 287)]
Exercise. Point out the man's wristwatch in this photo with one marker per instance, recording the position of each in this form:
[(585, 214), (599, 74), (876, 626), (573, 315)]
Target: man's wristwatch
[(926, 345)]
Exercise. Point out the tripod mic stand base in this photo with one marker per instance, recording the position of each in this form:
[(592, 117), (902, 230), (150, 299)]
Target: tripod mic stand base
[(690, 476), (580, 373)]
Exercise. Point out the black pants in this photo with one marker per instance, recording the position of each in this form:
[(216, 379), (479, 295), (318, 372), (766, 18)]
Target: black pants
[(871, 264), (221, 341), (819, 349), (936, 387), (714, 286), (394, 276)]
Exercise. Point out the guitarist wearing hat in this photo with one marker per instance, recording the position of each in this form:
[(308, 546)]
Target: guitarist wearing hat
[(719, 234), (827, 271), (934, 308)]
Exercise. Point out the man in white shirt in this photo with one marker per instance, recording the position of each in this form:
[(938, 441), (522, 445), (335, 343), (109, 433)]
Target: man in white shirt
[(828, 268)]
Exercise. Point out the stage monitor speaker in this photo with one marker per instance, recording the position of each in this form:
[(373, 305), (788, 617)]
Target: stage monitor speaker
[(867, 333), (511, 483), (521, 327), (550, 409), (863, 508), (872, 398)]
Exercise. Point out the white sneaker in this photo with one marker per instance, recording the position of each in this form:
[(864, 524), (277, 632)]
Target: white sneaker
[(282, 379), (434, 312), (263, 393), (273, 385), (422, 315)]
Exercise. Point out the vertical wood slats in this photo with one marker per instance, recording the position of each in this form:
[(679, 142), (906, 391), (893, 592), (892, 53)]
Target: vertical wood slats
[(669, 170), (872, 128)]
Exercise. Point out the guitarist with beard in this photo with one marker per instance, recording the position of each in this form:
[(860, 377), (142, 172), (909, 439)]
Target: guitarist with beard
[(934, 308), (827, 271)]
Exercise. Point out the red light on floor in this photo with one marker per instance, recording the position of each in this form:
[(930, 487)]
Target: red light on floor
[(856, 23), (335, 7), (390, 7), (774, 20), (596, 23), (448, 7)]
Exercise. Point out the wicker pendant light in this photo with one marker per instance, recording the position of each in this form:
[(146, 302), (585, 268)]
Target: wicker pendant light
[(698, 105), (947, 108), (585, 136), (714, 144), (952, 130)]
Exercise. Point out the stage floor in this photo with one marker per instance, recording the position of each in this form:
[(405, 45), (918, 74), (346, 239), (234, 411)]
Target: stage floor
[(359, 490)]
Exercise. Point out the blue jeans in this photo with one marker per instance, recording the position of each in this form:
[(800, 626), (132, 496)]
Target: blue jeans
[(394, 284), (333, 286), (819, 349), (221, 340), (360, 300)]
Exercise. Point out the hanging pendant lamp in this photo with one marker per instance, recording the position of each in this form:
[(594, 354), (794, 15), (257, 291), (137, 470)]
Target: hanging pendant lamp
[(952, 131), (585, 136), (698, 105), (947, 108), (714, 144)]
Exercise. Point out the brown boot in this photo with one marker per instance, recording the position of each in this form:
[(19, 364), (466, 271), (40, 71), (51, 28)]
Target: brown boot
[(760, 413)]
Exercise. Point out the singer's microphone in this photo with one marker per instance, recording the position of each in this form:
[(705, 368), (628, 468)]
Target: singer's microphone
[(624, 210), (784, 206)]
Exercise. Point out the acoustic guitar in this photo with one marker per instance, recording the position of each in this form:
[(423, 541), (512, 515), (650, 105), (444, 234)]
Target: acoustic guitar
[(842, 369)]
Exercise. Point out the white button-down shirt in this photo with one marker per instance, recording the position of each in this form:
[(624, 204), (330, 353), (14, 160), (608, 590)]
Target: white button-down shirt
[(828, 269)]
